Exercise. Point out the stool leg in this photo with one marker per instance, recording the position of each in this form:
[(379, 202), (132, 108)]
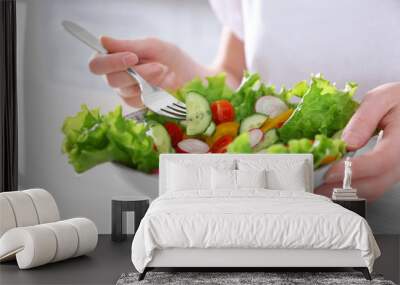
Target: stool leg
[(117, 222), (140, 211)]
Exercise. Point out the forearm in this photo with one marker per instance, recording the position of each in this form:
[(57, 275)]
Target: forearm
[(230, 60)]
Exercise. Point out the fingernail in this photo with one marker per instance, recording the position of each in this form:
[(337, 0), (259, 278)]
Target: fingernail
[(352, 139), (129, 60), (334, 177), (164, 69)]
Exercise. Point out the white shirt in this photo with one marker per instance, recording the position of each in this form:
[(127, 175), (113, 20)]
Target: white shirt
[(285, 41)]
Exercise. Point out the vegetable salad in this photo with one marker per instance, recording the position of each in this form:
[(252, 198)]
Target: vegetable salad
[(256, 118)]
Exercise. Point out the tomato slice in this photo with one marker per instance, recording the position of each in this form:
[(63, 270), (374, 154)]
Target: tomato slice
[(222, 111), (221, 145), (174, 131)]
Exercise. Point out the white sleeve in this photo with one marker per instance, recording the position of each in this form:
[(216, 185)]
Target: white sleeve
[(229, 12)]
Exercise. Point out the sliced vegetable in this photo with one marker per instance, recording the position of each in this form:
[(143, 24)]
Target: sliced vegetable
[(198, 114), (222, 111), (184, 123), (228, 128), (252, 122), (328, 159), (193, 146), (276, 122), (179, 150), (255, 135), (270, 106), (221, 145), (269, 139), (210, 130), (175, 132), (161, 137)]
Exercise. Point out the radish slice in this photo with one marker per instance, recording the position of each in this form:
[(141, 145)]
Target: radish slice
[(193, 146), (256, 135), (270, 106)]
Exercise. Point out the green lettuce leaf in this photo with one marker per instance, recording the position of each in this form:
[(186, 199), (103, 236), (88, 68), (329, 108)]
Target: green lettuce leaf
[(252, 88), (300, 146), (91, 139), (326, 147), (244, 99), (324, 109), (276, 148), (241, 144), (214, 89), (321, 148), (130, 137)]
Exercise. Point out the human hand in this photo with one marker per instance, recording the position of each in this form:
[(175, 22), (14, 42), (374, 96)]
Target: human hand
[(160, 63), (376, 171)]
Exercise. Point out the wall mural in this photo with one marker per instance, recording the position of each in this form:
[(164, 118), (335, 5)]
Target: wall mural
[(79, 140)]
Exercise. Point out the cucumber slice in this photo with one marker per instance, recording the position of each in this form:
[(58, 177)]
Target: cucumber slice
[(184, 123), (198, 114), (161, 137), (210, 130), (269, 139), (252, 122)]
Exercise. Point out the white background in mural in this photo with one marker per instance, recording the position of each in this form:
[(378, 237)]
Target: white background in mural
[(55, 81)]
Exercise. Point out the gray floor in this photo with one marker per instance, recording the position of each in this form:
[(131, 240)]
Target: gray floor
[(103, 266), (109, 260)]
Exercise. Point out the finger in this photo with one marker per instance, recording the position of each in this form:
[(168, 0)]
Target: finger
[(120, 79), (109, 63), (131, 96), (129, 91), (170, 81), (144, 48), (370, 188), (153, 72), (383, 158), (366, 119)]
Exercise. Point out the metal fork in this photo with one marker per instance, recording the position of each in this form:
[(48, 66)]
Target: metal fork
[(154, 98)]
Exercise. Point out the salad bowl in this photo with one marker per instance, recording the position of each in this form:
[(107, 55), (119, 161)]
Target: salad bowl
[(148, 183)]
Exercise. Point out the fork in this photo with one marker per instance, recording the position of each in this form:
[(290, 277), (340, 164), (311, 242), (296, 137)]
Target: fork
[(154, 98)]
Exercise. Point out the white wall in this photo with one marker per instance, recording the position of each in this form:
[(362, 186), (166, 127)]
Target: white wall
[(56, 81)]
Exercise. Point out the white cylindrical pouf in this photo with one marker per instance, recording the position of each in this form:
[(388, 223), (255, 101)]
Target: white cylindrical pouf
[(67, 239), (7, 218), (45, 205), (87, 234), (36, 245), (23, 208)]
